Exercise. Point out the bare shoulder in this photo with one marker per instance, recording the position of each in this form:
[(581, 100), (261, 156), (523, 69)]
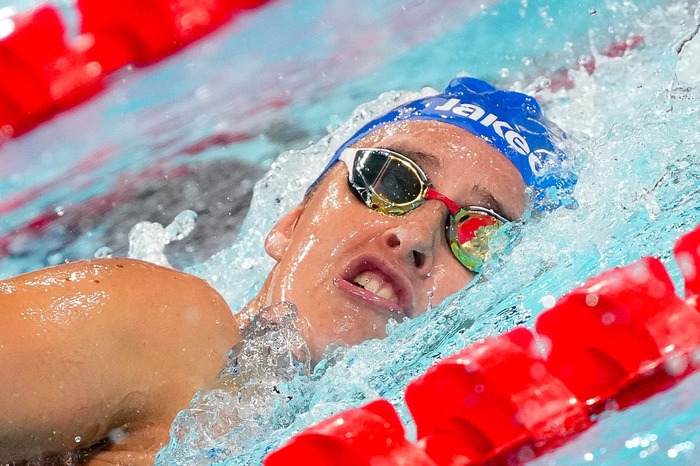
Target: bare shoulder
[(123, 286), (132, 302), (123, 343)]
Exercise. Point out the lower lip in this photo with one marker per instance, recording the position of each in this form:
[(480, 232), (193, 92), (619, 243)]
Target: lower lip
[(368, 297)]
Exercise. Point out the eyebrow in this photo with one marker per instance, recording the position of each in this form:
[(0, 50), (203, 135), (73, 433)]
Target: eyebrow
[(487, 200), (421, 158)]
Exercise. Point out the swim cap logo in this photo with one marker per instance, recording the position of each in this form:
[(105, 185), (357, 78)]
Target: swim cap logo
[(501, 128)]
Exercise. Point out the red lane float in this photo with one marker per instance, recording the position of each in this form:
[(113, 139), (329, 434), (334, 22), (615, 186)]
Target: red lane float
[(371, 435), (143, 31), (42, 74), (687, 252), (622, 328), (621, 337), (497, 398)]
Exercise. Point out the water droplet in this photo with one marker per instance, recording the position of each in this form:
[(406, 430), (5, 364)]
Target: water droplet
[(77, 439), (182, 225), (103, 253), (117, 436), (202, 93), (695, 358), (608, 318), (687, 265), (541, 347), (591, 299), (537, 370), (640, 273), (548, 301), (146, 242), (55, 259), (525, 454), (675, 365)]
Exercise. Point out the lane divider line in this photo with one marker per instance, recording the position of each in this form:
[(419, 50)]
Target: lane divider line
[(615, 341)]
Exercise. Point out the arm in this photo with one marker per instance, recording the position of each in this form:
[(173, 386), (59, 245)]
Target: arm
[(92, 346)]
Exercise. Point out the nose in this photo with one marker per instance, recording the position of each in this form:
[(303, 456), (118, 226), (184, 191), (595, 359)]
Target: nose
[(416, 236)]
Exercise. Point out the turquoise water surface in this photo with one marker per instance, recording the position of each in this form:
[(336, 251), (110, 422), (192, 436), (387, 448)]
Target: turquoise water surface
[(281, 78)]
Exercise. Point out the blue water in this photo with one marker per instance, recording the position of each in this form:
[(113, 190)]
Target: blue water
[(282, 77)]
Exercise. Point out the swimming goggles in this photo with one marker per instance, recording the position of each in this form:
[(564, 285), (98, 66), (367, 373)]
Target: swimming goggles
[(393, 184)]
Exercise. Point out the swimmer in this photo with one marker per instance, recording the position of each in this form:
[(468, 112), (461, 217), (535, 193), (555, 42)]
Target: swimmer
[(99, 356)]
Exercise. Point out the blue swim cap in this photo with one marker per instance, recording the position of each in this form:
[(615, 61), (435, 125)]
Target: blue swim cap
[(510, 121)]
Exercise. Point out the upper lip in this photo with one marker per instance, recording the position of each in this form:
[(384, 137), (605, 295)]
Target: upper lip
[(401, 285)]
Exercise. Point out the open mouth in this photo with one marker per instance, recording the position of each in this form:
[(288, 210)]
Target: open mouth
[(372, 281), (378, 284)]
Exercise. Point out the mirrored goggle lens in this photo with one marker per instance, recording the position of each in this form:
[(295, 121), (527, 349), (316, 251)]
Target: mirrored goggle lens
[(389, 180), (469, 234)]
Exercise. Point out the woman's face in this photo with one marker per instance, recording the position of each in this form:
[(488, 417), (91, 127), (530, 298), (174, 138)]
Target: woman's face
[(349, 269)]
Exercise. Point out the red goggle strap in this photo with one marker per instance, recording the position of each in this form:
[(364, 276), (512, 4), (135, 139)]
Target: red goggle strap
[(451, 205)]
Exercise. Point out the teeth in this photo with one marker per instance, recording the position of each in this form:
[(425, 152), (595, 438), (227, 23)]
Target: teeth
[(387, 292), (374, 283), (368, 281)]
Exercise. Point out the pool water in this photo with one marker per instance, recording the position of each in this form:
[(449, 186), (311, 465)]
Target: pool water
[(237, 99)]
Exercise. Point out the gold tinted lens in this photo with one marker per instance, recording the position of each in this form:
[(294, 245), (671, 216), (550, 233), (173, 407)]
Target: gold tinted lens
[(469, 234), (387, 182)]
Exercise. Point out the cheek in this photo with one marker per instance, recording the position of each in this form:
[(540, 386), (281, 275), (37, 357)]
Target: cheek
[(346, 226), (446, 279)]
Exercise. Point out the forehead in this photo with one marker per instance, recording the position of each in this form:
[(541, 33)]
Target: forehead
[(458, 163), (434, 143)]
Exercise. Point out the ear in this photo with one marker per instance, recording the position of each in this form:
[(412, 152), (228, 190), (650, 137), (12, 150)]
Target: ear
[(278, 239)]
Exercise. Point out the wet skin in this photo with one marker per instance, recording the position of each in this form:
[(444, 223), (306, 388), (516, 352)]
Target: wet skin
[(323, 247), (102, 347), (120, 344)]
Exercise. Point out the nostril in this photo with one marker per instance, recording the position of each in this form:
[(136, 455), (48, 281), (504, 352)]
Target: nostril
[(393, 241), (418, 259)]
